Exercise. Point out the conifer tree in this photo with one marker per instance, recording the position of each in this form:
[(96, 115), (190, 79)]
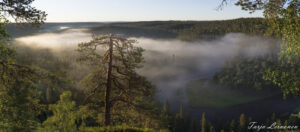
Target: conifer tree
[(166, 108), (126, 94), (232, 126), (181, 112), (179, 124), (242, 122), (273, 118), (211, 128), (187, 122), (278, 122), (193, 126), (19, 103), (167, 118), (286, 124), (203, 122)]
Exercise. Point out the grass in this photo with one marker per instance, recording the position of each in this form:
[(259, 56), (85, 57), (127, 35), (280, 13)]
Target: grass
[(206, 94)]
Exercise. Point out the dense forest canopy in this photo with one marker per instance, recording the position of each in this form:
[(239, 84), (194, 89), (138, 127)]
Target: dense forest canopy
[(186, 30)]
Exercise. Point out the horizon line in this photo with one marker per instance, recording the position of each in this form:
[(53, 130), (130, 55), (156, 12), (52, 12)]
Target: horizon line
[(145, 20)]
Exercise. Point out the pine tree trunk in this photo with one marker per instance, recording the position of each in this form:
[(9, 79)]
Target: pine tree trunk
[(108, 84)]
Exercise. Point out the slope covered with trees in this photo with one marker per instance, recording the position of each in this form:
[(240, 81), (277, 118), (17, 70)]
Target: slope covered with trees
[(185, 30)]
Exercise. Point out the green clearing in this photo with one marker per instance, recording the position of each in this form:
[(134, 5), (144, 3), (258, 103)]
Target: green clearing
[(207, 94)]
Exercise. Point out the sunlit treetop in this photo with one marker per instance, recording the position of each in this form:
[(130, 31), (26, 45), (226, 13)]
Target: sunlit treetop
[(22, 11), (270, 7)]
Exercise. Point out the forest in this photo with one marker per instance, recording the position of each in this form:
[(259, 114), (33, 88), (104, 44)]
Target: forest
[(167, 76), (185, 30)]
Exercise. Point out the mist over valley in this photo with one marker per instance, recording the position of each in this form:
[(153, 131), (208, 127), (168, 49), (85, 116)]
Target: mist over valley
[(171, 65)]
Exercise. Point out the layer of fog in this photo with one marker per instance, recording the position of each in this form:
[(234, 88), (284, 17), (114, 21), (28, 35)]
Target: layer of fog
[(169, 64), (175, 57), (56, 41)]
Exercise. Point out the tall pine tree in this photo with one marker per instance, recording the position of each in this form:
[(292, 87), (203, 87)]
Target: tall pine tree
[(115, 88)]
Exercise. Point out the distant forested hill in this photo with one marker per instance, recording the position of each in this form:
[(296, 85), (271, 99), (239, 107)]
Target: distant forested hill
[(185, 30)]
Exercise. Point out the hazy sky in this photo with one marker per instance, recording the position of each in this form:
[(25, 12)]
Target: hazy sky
[(137, 10)]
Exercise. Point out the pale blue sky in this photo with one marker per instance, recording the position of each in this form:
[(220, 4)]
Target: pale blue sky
[(137, 10)]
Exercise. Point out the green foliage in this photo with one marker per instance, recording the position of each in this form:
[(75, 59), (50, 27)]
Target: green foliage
[(283, 20), (246, 73), (54, 72), (286, 76), (22, 11), (3, 34), (19, 99), (64, 115)]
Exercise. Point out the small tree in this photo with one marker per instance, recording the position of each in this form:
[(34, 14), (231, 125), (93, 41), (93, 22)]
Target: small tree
[(166, 116), (193, 126), (64, 115), (166, 109), (181, 112), (203, 122), (242, 122), (232, 126), (179, 124)]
